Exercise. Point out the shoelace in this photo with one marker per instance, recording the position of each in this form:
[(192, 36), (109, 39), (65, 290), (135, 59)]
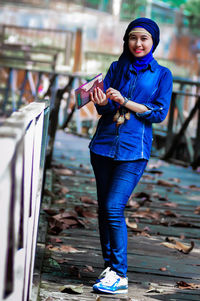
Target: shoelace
[(104, 273), (110, 278)]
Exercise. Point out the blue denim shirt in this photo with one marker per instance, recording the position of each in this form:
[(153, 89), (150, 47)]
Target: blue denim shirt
[(132, 140)]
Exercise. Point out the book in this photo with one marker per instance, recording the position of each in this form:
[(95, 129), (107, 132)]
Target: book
[(82, 94)]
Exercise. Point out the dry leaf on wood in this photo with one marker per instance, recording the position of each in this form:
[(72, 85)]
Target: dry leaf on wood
[(131, 225), (50, 211), (174, 244), (47, 192), (54, 240), (166, 183), (72, 289), (170, 213), (60, 201), (63, 172), (176, 180), (185, 285), (197, 210), (88, 200), (154, 289), (69, 249), (64, 190), (163, 269), (170, 204), (155, 171), (177, 191), (146, 214), (88, 268), (194, 187)]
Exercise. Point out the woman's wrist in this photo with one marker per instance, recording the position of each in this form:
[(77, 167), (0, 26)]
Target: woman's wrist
[(125, 101)]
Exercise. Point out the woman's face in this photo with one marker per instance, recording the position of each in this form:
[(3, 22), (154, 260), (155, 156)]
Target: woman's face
[(140, 42)]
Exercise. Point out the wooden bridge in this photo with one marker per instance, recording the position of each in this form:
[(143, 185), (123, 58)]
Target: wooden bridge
[(33, 104)]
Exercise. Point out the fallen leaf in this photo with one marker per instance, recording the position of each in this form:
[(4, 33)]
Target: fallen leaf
[(146, 214), (88, 268), (163, 269), (64, 190), (155, 171), (61, 260), (131, 225), (54, 240), (194, 187), (47, 192), (132, 204), (63, 172), (72, 289), (142, 194), (163, 198), (50, 211), (154, 289), (69, 249), (176, 180), (197, 210), (60, 201), (170, 204), (148, 177), (166, 183), (185, 285), (170, 213), (88, 200), (174, 244), (177, 191)]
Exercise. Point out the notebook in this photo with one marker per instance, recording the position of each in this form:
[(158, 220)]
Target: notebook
[(82, 94)]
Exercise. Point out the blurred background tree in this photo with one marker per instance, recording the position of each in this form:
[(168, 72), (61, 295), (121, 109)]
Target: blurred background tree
[(193, 9)]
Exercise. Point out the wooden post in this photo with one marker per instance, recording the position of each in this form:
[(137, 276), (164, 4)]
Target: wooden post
[(170, 122), (182, 131), (197, 140), (78, 51)]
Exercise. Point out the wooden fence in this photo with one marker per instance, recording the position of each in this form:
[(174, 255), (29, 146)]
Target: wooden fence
[(23, 139), (36, 47), (179, 132), (183, 130)]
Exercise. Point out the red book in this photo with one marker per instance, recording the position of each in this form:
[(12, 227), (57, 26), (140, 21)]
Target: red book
[(82, 93)]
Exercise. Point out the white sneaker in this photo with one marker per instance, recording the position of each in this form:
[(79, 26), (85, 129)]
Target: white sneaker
[(103, 274), (112, 284)]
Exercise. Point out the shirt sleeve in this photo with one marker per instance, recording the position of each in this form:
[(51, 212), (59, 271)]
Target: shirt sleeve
[(159, 105), (111, 106)]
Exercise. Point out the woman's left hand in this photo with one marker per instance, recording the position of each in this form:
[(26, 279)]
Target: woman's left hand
[(114, 95)]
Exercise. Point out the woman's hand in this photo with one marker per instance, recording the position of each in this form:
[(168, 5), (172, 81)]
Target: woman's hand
[(98, 97), (115, 95)]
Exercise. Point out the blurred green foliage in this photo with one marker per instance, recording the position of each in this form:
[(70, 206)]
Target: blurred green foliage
[(193, 9)]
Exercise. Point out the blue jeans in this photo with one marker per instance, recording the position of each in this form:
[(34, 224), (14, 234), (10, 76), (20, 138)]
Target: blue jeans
[(115, 182)]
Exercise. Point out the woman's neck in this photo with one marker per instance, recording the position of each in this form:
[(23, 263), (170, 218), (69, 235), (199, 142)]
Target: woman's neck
[(142, 62)]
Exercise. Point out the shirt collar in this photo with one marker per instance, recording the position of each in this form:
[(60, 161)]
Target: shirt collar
[(153, 65)]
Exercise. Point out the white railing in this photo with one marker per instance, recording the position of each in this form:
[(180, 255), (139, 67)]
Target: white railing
[(22, 150)]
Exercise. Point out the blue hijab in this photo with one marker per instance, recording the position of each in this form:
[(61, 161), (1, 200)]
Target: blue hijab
[(127, 61)]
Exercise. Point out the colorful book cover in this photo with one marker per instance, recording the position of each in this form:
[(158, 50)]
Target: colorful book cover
[(82, 94)]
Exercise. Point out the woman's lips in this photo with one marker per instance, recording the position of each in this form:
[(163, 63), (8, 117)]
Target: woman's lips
[(138, 50)]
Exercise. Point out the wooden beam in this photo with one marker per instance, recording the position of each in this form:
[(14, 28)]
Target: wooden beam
[(78, 51), (177, 138)]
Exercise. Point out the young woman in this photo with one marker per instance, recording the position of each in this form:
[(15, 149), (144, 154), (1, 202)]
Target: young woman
[(137, 93)]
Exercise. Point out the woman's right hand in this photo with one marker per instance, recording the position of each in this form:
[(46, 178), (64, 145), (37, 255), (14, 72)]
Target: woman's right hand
[(98, 97)]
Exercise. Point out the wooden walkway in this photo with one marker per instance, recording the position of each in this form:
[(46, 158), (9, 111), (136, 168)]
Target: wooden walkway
[(163, 212)]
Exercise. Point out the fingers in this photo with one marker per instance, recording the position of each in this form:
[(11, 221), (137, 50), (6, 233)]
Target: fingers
[(98, 96), (113, 94)]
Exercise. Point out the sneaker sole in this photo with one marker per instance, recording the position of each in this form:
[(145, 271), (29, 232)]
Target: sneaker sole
[(120, 291)]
